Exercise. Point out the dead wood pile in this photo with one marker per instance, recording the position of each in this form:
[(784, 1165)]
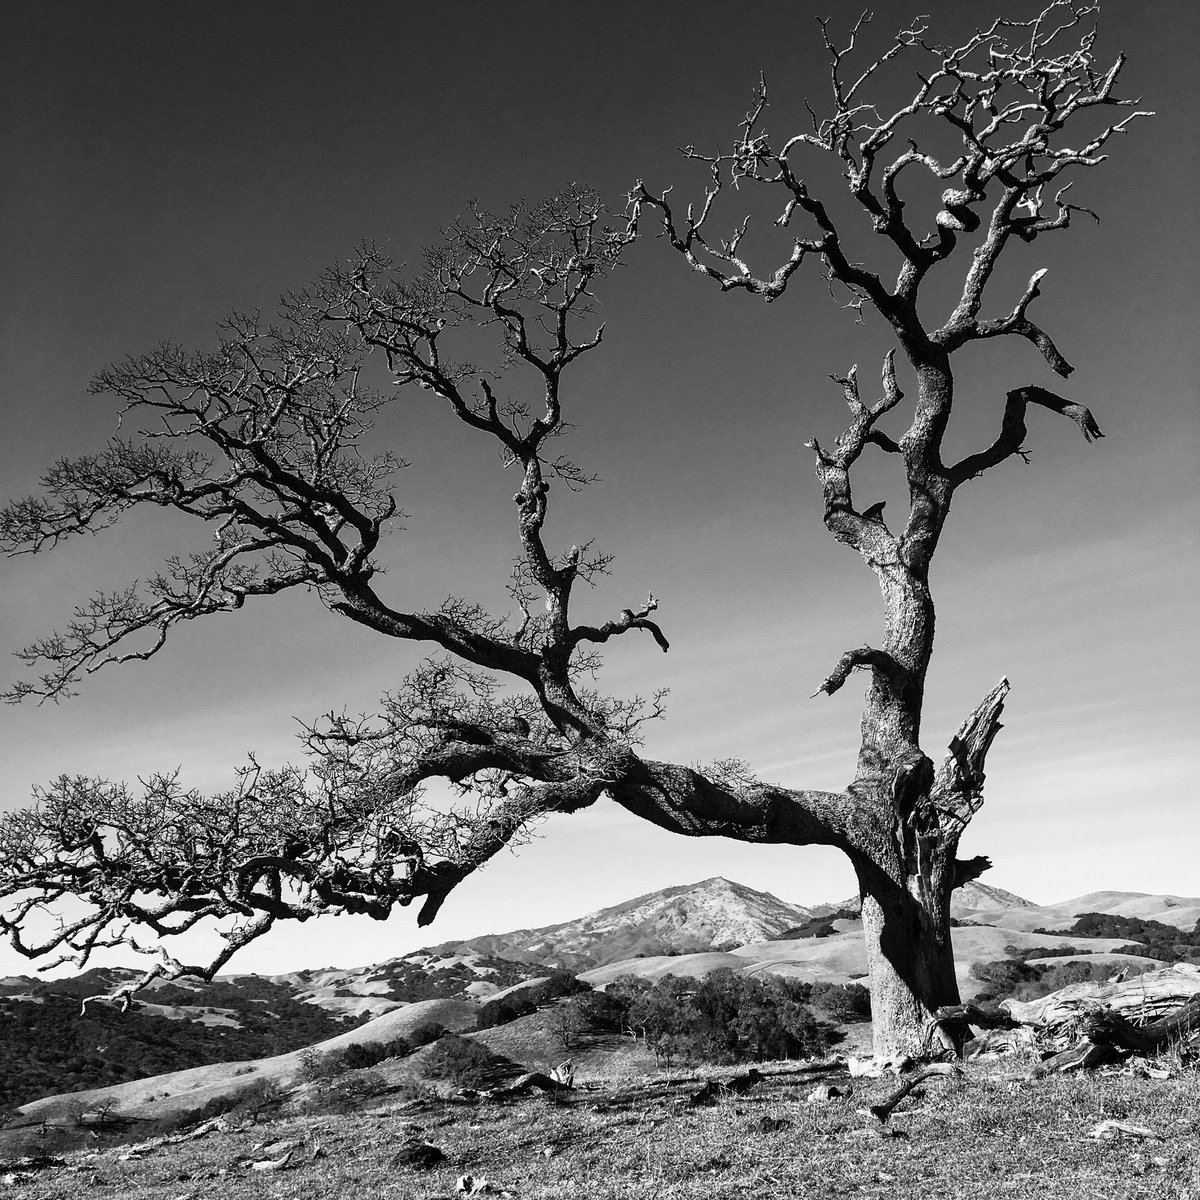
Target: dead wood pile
[(1085, 1024)]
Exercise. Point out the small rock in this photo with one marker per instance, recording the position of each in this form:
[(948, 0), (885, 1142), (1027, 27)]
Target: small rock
[(773, 1124), (278, 1147), (1111, 1130), (863, 1068), (273, 1164), (469, 1185), (421, 1155)]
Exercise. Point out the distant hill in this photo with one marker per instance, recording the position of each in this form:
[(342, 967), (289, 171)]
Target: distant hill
[(715, 913), (182, 1094), (976, 895), (46, 1045)]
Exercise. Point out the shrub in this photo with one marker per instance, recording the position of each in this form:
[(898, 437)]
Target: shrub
[(368, 1054), (458, 1060), (504, 1010), (846, 1003), (426, 1033), (316, 1067), (363, 1084)]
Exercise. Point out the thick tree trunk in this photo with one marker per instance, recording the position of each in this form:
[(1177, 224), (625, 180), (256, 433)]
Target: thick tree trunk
[(910, 956)]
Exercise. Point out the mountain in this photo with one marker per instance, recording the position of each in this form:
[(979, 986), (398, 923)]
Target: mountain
[(974, 896), (713, 914)]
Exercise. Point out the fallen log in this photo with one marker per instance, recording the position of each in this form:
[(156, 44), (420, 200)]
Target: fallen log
[(534, 1080), (1150, 996), (1109, 1028), (1083, 1057), (1093, 1024)]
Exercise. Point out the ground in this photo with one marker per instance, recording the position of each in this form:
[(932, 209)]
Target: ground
[(992, 1132)]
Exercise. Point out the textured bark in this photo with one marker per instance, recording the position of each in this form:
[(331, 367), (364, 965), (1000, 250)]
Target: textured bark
[(910, 955)]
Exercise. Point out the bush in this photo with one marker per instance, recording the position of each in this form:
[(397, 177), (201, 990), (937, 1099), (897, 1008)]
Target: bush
[(845, 1004), (369, 1054), (458, 1060), (425, 1034), (504, 1010), (316, 1067), (363, 1085)]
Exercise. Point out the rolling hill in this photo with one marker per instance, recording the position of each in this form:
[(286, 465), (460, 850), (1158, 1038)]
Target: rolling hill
[(685, 930)]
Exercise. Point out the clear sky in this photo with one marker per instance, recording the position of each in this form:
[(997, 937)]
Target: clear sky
[(165, 163)]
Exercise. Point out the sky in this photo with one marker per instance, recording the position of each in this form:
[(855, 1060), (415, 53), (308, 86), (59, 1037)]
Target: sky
[(164, 164)]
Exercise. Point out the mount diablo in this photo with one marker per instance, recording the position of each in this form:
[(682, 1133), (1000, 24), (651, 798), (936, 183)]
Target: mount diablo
[(713, 914)]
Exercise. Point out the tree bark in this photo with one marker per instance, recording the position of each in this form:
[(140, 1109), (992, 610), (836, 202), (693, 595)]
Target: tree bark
[(910, 956)]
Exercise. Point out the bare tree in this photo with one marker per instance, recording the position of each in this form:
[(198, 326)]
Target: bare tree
[(1006, 96), (267, 442)]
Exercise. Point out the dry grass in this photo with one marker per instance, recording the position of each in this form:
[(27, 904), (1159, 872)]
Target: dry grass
[(988, 1134)]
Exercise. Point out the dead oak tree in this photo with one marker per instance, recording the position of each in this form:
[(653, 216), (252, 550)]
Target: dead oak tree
[(267, 442), (1007, 96)]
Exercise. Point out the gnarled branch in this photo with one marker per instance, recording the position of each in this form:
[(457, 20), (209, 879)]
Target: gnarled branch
[(957, 791), (1011, 438)]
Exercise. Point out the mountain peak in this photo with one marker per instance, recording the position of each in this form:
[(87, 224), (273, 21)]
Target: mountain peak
[(976, 895), (684, 918)]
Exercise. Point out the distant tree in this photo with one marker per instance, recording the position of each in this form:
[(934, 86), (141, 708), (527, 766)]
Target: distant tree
[(568, 1025), (599, 1011), (106, 1111), (320, 1066), (845, 1003), (266, 444), (260, 1098)]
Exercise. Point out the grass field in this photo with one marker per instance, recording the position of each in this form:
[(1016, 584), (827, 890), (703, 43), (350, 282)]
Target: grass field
[(988, 1133)]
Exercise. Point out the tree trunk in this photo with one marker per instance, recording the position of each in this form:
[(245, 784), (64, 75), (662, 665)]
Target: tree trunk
[(906, 865), (910, 956)]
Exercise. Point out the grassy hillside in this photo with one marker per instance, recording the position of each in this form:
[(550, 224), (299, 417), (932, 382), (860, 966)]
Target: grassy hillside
[(985, 1135)]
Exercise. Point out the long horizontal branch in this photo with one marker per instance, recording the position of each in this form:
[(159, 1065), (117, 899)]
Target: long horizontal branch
[(697, 803), (278, 849)]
